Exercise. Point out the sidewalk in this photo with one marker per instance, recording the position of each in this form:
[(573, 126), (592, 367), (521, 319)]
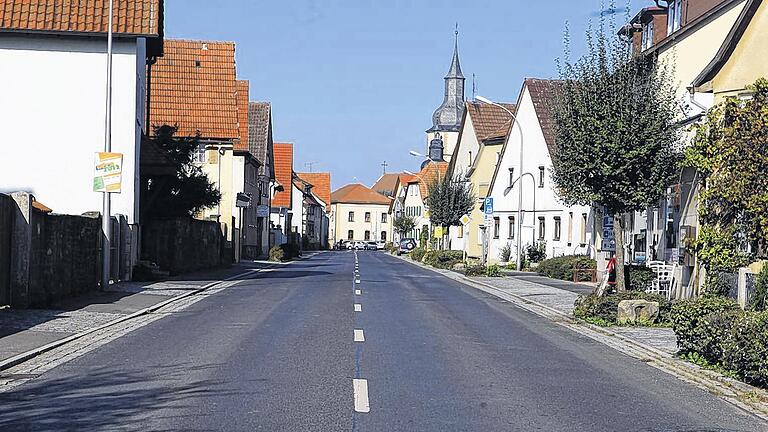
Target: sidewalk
[(562, 300), (25, 330)]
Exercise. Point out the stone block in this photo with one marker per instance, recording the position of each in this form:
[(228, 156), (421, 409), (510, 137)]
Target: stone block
[(638, 312)]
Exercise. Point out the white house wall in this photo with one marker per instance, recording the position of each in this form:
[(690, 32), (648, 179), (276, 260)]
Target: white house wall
[(536, 154), (53, 107)]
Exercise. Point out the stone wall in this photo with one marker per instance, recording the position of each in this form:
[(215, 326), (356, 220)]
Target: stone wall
[(181, 245), (7, 208), (65, 257)]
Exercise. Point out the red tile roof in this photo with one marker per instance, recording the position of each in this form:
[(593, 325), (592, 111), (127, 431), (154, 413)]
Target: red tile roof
[(283, 174), (131, 17), (543, 93), (490, 121), (429, 174), (242, 114), (194, 87), (321, 185), (358, 194)]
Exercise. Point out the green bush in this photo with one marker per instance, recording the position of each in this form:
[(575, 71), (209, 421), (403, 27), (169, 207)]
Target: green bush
[(418, 254), (604, 310), (505, 252), (759, 302), (276, 254), (493, 271), (445, 259), (537, 252), (562, 267), (475, 270), (745, 352), (703, 324), (640, 277)]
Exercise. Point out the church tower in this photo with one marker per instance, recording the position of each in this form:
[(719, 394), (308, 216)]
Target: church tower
[(447, 118)]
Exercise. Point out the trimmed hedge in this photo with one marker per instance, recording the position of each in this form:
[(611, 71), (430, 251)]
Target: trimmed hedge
[(745, 352), (445, 259), (703, 324), (562, 267), (276, 254), (604, 310), (717, 330), (480, 270)]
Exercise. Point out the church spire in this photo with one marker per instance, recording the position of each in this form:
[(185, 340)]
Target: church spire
[(448, 116), (455, 71)]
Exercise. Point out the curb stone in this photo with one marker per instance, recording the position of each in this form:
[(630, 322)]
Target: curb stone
[(750, 399), (29, 355)]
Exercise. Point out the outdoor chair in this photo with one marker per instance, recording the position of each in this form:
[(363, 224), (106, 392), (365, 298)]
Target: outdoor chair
[(663, 281)]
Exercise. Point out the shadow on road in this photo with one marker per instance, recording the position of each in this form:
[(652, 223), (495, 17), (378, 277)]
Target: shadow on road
[(104, 399)]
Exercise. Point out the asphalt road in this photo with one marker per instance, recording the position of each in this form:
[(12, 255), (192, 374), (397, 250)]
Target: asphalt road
[(278, 353)]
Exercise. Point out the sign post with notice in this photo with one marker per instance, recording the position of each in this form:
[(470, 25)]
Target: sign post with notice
[(108, 172)]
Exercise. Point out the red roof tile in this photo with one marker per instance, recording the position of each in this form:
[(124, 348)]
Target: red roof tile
[(429, 174), (321, 185), (131, 17), (242, 115), (194, 87), (283, 174), (543, 93), (358, 194), (490, 121)]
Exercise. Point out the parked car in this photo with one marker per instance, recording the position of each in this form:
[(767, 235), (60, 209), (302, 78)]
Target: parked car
[(406, 246), (381, 245), (359, 245), (371, 245)]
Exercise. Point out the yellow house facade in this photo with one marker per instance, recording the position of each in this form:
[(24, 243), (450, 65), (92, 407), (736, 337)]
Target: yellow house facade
[(741, 59), (480, 176)]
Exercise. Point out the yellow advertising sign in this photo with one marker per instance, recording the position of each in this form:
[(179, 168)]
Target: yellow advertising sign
[(108, 172)]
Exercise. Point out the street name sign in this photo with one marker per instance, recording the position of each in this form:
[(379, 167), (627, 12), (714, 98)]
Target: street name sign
[(108, 172)]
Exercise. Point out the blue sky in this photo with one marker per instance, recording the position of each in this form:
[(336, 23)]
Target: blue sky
[(354, 82)]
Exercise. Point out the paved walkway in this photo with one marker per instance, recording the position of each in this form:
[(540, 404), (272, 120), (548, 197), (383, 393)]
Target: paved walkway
[(25, 330), (563, 300)]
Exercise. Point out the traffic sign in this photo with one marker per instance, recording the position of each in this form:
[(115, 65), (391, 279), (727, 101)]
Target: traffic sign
[(465, 220), (488, 206)]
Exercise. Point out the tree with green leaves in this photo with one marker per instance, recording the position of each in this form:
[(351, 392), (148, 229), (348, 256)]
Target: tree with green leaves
[(189, 190), (617, 142), (449, 199), (730, 155), (403, 225)]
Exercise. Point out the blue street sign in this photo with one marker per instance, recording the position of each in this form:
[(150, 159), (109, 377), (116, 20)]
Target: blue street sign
[(488, 206)]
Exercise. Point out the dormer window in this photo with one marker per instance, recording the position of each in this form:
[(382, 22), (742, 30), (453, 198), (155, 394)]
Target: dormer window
[(647, 40), (674, 16)]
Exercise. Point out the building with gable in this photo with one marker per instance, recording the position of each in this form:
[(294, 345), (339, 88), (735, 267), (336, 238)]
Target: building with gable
[(53, 59), (359, 213), (260, 145), (566, 230), (483, 132)]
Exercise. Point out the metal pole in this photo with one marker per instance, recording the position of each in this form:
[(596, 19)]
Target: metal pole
[(106, 217)]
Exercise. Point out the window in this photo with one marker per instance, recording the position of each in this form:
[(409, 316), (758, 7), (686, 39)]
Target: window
[(367, 235), (570, 228), (674, 16), (496, 227), (480, 230), (583, 236), (383, 218), (647, 39), (350, 235), (383, 236), (542, 228), (558, 227), (469, 162), (541, 176), (351, 217), (511, 176), (200, 154), (511, 223), (367, 216)]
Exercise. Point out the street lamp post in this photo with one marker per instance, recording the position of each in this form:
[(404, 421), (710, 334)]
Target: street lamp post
[(106, 216), (520, 195)]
